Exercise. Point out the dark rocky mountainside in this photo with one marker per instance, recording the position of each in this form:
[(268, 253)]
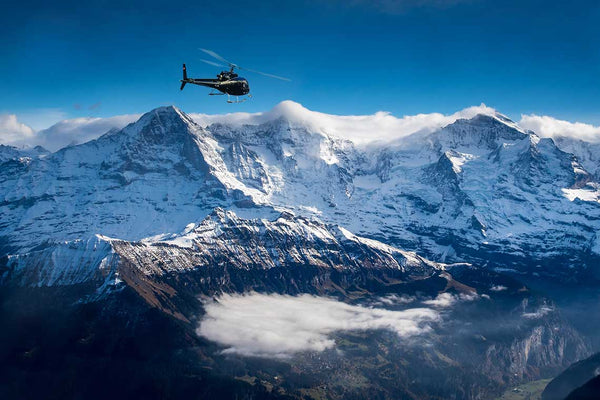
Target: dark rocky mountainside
[(580, 374)]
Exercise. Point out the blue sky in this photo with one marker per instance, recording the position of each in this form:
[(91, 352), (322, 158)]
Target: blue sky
[(101, 58)]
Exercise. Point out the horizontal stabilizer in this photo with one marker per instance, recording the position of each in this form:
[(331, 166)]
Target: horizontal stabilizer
[(183, 81)]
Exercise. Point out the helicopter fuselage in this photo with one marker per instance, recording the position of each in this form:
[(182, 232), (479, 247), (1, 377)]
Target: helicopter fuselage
[(225, 83)]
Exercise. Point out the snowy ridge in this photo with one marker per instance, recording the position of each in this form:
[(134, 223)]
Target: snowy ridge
[(222, 237), (8, 153), (66, 263)]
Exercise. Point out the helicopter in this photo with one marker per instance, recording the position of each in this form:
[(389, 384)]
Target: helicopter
[(227, 82)]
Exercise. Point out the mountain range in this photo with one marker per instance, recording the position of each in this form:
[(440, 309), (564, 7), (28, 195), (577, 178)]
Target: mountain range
[(139, 230)]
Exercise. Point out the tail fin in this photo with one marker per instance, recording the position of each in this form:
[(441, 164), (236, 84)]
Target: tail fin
[(183, 82)]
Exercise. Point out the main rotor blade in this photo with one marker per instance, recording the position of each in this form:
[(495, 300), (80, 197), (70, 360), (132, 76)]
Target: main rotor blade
[(265, 74), (214, 63), (218, 57)]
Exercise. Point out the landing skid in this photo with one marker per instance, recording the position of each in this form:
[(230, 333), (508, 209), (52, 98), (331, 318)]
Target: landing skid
[(237, 99)]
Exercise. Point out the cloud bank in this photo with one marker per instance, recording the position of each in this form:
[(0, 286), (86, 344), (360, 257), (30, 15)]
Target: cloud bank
[(280, 325), (383, 127), (379, 128), (361, 129), (546, 126), (61, 134), (14, 132), (80, 130)]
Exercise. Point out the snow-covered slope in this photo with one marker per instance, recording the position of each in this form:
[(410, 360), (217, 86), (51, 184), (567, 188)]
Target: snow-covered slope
[(477, 189), (221, 240), (11, 153), (150, 178), (476, 184), (587, 153)]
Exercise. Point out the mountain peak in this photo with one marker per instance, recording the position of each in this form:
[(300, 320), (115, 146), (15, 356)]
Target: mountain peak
[(485, 119), (167, 113), (481, 130), (170, 109), (162, 122)]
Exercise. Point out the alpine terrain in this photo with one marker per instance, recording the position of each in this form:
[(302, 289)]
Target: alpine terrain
[(279, 258)]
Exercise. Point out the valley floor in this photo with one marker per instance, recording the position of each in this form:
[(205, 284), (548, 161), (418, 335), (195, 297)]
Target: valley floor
[(529, 391)]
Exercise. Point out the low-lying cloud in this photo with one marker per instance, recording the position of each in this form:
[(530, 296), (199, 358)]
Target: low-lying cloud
[(539, 313), (394, 299), (361, 129), (281, 325), (444, 300), (545, 126)]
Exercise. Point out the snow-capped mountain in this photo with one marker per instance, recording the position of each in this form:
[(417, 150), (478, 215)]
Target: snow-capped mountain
[(149, 178), (477, 189), (476, 186), (115, 247)]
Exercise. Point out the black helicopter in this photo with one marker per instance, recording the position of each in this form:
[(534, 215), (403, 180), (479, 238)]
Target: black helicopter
[(227, 82)]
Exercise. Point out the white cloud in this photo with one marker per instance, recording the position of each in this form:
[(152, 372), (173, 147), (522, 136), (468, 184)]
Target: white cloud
[(13, 132), (444, 300), (280, 325), (385, 127), (361, 129), (80, 130), (539, 313), (545, 126), (394, 299), (61, 134), (498, 288), (381, 127)]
